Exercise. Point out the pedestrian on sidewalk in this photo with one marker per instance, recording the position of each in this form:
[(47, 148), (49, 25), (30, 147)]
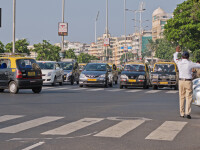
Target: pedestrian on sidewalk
[(185, 67)]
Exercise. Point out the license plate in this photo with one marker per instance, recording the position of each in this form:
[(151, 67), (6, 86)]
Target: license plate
[(163, 82), (92, 79), (131, 80), (31, 73)]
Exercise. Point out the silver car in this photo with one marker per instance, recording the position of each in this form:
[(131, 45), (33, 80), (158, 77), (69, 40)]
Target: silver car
[(96, 74), (196, 91)]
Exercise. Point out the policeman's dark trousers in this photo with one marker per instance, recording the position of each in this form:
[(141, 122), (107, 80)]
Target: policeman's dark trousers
[(185, 93)]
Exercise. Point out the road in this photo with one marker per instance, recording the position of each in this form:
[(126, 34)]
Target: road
[(72, 118)]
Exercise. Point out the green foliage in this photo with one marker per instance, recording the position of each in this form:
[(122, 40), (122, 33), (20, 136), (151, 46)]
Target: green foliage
[(21, 46), (85, 58), (1, 47), (70, 54), (46, 51), (184, 27), (196, 56)]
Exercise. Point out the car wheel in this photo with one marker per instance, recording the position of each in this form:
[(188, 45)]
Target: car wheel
[(37, 90), (80, 85), (13, 87), (54, 82), (121, 86), (155, 87), (1, 90)]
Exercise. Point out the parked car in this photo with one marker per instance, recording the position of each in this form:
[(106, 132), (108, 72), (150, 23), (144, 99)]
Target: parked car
[(135, 74), (164, 74), (52, 73), (71, 71), (96, 74), (114, 72), (196, 91), (17, 72)]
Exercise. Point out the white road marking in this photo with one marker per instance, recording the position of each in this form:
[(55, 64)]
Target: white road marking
[(72, 127), (9, 117), (172, 92), (79, 89), (28, 124), (34, 146), (115, 90), (167, 131), (152, 91), (55, 89), (133, 91), (95, 90), (120, 129)]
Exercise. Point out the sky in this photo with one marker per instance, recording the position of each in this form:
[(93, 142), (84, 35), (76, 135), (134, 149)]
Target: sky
[(37, 20)]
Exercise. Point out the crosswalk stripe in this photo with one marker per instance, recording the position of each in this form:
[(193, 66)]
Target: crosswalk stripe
[(167, 131), (120, 129), (34, 146), (28, 124), (95, 90), (9, 117), (72, 127), (151, 92), (133, 91), (172, 92)]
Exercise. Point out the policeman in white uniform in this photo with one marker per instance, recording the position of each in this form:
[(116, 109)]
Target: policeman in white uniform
[(185, 67)]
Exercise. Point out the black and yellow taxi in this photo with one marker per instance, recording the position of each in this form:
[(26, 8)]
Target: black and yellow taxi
[(19, 72), (135, 74), (164, 74)]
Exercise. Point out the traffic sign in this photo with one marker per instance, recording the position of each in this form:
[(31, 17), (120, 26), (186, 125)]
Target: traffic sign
[(62, 29), (106, 42)]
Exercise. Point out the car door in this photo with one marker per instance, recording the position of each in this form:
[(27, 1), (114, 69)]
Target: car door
[(5, 72)]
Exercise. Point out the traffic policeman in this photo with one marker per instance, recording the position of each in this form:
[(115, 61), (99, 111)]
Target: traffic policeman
[(185, 67)]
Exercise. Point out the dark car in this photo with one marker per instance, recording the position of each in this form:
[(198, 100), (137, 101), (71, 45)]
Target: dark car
[(96, 74), (164, 74), (71, 71), (135, 75), (19, 73)]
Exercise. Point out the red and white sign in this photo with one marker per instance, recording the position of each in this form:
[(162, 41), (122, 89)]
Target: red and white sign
[(106, 42), (62, 29)]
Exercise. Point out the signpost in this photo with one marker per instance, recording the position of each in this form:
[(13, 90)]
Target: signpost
[(62, 29), (106, 42)]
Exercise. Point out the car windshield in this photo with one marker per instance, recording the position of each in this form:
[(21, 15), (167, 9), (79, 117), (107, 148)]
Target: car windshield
[(95, 67), (25, 63), (164, 68), (66, 65), (135, 68), (46, 65), (81, 67)]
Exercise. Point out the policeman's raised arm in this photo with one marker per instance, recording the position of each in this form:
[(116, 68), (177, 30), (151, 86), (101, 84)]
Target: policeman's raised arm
[(176, 54)]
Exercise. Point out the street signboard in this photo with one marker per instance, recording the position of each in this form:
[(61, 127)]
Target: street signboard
[(106, 42), (62, 29)]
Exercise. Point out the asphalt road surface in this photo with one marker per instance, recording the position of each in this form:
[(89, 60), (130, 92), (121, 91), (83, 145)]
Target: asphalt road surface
[(94, 118)]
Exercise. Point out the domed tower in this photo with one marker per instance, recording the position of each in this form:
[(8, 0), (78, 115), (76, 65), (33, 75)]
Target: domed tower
[(159, 19)]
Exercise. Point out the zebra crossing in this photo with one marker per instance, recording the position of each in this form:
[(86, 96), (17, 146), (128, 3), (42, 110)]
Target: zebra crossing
[(45, 89), (165, 132)]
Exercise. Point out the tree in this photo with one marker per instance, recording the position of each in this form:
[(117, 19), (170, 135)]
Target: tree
[(1, 47), (70, 54), (184, 27), (46, 51), (85, 58), (21, 46)]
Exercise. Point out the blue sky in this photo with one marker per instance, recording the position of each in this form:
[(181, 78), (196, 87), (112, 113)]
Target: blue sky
[(37, 20)]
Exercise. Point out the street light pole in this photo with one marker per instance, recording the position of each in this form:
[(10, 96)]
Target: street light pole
[(125, 27), (14, 19), (63, 19), (106, 27), (96, 27)]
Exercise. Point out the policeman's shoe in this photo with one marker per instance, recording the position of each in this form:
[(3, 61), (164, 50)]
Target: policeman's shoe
[(189, 117), (182, 116)]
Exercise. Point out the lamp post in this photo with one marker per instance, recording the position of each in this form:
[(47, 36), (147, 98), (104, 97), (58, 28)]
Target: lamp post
[(106, 29), (96, 27), (63, 19), (125, 28), (14, 19)]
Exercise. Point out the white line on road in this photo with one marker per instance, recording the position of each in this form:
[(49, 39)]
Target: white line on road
[(172, 92), (72, 127), (28, 124), (79, 89), (115, 90), (34, 146), (9, 117), (95, 90), (133, 91), (167, 131), (120, 129), (152, 91)]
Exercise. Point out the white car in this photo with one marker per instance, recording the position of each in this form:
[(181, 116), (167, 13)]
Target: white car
[(196, 91), (52, 73)]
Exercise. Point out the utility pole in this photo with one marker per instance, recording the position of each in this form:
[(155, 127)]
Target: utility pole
[(125, 28), (14, 19), (96, 27), (63, 19), (106, 28)]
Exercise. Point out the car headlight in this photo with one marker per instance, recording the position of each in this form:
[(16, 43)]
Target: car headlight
[(172, 77), (82, 76), (49, 74), (141, 77), (155, 76), (123, 76), (102, 76), (196, 82)]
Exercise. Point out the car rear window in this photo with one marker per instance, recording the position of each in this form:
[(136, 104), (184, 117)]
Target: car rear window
[(46, 65), (25, 63)]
